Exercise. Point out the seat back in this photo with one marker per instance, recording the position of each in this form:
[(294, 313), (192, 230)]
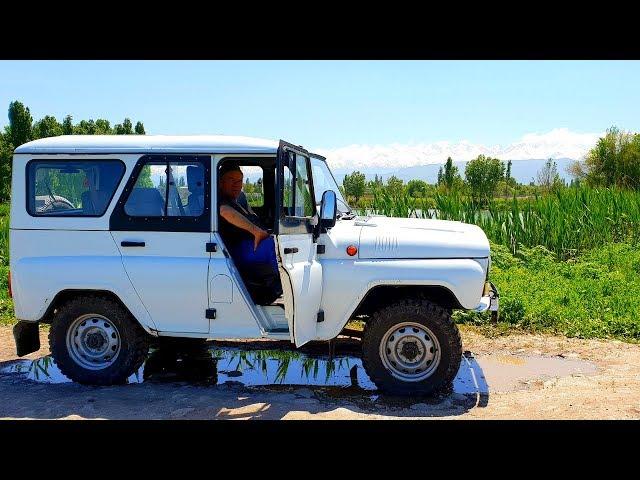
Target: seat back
[(195, 186), (145, 202)]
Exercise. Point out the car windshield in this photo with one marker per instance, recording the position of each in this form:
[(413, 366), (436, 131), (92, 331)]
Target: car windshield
[(322, 181)]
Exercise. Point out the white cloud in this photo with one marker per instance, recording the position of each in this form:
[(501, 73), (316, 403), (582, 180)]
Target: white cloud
[(558, 143)]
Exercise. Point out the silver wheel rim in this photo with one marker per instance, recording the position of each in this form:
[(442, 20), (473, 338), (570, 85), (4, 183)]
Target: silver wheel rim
[(410, 351), (93, 341)]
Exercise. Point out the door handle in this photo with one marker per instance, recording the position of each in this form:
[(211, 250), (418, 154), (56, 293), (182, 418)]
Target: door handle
[(290, 250), (126, 243)]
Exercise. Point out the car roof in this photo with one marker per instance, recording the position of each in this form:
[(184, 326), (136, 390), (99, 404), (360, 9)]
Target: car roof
[(149, 144)]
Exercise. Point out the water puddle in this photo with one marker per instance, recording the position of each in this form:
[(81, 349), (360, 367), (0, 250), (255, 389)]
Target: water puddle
[(245, 364)]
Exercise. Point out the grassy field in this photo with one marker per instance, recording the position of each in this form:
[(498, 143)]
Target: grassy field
[(594, 292), (596, 295)]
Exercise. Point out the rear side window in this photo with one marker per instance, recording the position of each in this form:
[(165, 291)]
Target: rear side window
[(166, 193), (168, 189), (72, 188)]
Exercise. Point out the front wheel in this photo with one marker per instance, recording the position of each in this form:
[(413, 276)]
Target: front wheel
[(411, 348), (95, 341)]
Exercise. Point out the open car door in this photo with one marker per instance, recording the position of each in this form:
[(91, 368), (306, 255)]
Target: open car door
[(294, 226)]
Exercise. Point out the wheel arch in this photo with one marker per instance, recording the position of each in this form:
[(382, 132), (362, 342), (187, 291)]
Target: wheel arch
[(381, 295), (65, 295)]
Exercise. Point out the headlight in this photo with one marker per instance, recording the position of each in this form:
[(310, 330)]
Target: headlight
[(485, 264)]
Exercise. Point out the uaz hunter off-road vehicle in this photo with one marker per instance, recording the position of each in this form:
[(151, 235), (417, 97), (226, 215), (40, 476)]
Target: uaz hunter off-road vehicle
[(114, 241)]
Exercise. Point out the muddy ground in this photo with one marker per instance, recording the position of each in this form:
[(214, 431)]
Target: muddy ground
[(514, 377)]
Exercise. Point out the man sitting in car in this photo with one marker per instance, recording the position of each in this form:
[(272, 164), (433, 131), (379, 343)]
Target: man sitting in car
[(250, 245)]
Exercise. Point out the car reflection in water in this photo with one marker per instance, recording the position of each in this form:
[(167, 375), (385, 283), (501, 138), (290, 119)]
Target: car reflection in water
[(251, 364)]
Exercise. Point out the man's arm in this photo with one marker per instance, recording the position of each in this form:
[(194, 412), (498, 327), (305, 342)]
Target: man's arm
[(236, 218)]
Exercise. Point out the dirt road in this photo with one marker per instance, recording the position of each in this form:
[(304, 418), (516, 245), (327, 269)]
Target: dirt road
[(510, 377)]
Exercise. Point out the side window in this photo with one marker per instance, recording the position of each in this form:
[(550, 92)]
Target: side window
[(287, 193), (296, 193), (253, 187), (167, 189), (304, 206), (79, 188)]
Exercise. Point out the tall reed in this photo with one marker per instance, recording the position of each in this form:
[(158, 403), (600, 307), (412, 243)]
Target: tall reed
[(567, 222)]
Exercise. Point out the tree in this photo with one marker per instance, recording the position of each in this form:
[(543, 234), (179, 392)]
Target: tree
[(139, 128), (416, 188), (18, 131), (482, 175), (85, 127), (508, 181), (124, 129), (19, 124), (395, 186), (450, 173), (6, 151), (548, 176), (614, 161), (354, 185), (67, 125), (47, 127), (449, 177), (103, 127)]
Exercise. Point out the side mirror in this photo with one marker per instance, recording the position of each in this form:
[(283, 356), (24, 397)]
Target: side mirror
[(328, 209)]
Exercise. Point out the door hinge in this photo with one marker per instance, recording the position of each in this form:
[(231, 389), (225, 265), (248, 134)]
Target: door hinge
[(210, 313), (212, 247), (320, 316), (320, 249)]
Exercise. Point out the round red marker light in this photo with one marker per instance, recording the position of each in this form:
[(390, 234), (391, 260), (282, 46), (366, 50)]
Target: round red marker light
[(352, 250)]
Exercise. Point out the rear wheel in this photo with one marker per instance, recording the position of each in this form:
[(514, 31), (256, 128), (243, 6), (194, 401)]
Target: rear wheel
[(94, 340), (411, 348)]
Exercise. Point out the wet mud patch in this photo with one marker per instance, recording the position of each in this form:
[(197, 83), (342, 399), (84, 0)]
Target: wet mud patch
[(330, 374)]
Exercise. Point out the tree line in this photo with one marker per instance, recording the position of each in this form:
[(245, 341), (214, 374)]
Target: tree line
[(613, 162), (23, 129)]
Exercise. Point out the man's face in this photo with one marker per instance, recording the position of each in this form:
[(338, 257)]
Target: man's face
[(231, 184)]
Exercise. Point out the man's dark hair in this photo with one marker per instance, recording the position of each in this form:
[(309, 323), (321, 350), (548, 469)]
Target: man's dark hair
[(228, 167)]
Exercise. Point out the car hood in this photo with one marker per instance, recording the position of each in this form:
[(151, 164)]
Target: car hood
[(387, 237)]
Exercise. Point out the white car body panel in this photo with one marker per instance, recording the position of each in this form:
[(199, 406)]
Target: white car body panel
[(170, 275), (46, 262), (304, 273), (384, 237)]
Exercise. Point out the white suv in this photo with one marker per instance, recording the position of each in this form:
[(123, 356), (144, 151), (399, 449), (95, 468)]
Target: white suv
[(128, 250)]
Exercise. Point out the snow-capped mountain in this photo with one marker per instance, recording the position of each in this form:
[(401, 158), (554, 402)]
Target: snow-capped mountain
[(557, 144)]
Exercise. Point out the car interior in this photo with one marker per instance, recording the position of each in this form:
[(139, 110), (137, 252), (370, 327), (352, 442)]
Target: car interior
[(266, 213)]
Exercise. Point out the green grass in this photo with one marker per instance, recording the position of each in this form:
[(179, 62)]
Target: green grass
[(596, 295), (6, 304)]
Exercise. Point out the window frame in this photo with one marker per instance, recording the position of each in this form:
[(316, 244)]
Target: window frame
[(288, 224), (28, 191), (121, 221)]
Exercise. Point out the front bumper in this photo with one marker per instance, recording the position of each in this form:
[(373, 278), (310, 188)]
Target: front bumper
[(489, 300)]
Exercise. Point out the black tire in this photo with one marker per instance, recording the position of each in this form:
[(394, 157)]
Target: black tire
[(134, 341), (438, 321)]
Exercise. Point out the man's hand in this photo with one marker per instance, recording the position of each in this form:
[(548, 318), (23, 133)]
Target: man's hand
[(259, 235)]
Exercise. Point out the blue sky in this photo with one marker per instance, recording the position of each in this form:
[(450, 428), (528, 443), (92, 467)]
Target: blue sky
[(332, 104)]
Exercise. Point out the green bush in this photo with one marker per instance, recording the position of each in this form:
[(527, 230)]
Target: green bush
[(594, 295)]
